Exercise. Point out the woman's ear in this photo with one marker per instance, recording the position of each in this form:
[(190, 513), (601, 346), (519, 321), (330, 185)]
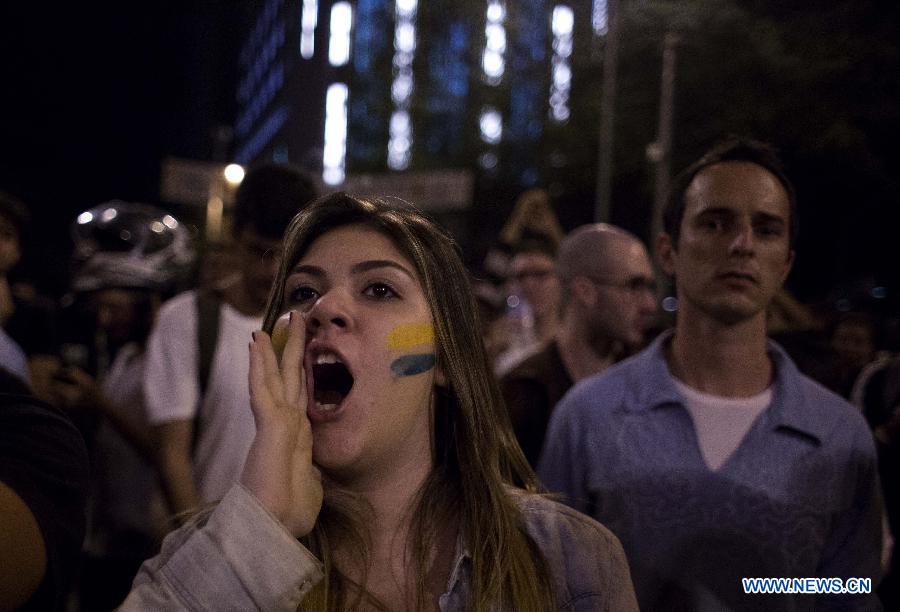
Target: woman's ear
[(440, 379)]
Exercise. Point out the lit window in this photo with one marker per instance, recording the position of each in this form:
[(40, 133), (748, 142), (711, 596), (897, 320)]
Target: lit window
[(561, 71), (335, 151), (308, 21), (400, 131), (491, 124), (600, 17), (492, 60), (339, 41), (400, 140)]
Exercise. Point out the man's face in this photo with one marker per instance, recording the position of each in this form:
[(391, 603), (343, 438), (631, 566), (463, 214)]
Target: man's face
[(535, 275), (734, 251), (115, 311), (258, 260), (624, 300), (9, 246)]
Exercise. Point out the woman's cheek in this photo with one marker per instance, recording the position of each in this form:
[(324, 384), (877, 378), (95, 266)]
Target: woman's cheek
[(412, 348)]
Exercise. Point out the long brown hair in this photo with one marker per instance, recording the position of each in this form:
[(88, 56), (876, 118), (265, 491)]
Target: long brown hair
[(476, 459)]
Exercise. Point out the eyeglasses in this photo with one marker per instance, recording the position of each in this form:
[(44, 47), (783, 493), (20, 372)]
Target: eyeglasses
[(634, 285)]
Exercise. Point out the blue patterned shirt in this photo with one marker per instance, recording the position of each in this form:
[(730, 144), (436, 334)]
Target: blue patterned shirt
[(798, 498)]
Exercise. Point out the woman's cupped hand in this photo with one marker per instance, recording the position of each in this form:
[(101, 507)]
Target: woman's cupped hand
[(279, 470)]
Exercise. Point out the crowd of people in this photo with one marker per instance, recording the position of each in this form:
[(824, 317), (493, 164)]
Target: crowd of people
[(348, 418)]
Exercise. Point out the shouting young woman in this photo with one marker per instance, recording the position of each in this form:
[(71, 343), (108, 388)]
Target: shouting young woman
[(384, 474)]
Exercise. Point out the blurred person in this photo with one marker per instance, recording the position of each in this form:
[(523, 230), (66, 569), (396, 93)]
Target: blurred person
[(608, 303), (532, 217), (800, 331), (28, 319), (43, 484), (853, 342), (877, 393), (531, 220), (195, 379), (532, 313), (13, 360), (709, 454), (383, 472), (127, 256)]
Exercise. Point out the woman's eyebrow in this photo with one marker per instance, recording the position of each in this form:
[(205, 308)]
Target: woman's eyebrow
[(308, 269), (371, 264)]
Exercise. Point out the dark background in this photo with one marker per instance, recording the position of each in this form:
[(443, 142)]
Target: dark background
[(94, 96)]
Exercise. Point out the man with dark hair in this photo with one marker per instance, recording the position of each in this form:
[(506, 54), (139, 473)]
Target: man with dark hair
[(709, 454), (195, 382), (607, 304)]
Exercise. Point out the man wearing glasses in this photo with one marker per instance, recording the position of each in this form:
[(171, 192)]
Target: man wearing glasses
[(608, 303), (709, 455)]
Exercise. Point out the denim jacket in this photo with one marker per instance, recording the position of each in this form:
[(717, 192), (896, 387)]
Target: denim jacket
[(242, 558)]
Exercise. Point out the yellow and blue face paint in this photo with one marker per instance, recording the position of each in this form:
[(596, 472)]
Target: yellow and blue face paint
[(408, 336)]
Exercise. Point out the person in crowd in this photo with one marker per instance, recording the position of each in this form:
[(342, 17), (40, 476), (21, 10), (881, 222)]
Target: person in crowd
[(532, 315), (608, 303), (532, 221), (853, 340), (43, 485), (196, 366), (709, 454), (383, 404), (26, 317), (127, 256), (877, 393)]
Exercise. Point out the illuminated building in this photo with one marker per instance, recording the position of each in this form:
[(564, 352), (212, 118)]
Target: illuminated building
[(378, 86)]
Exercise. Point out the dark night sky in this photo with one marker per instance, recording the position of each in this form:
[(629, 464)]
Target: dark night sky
[(94, 96)]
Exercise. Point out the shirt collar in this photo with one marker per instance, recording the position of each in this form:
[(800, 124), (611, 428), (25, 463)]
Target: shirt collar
[(653, 386)]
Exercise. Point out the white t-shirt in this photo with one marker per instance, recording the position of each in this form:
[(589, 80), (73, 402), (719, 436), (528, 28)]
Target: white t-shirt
[(721, 423), (171, 389)]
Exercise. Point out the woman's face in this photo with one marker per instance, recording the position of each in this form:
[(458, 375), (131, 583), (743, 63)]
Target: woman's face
[(370, 354)]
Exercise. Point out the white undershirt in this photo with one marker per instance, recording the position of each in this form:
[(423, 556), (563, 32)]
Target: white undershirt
[(721, 423)]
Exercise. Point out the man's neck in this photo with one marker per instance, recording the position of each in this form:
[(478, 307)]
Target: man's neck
[(729, 360), (578, 356)]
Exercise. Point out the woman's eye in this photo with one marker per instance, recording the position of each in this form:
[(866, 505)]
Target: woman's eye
[(380, 291), (302, 294)]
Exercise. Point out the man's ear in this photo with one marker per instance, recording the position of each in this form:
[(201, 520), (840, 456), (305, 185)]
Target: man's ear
[(583, 290), (665, 253)]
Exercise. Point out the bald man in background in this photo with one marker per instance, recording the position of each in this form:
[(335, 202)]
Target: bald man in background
[(608, 303)]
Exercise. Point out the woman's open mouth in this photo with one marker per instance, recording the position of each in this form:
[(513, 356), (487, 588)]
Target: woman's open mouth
[(331, 382)]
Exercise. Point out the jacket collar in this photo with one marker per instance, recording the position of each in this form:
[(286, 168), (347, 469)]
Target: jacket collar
[(652, 386)]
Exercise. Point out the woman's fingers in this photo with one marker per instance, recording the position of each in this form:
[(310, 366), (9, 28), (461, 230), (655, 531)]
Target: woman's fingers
[(292, 371), (270, 364), (260, 399)]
